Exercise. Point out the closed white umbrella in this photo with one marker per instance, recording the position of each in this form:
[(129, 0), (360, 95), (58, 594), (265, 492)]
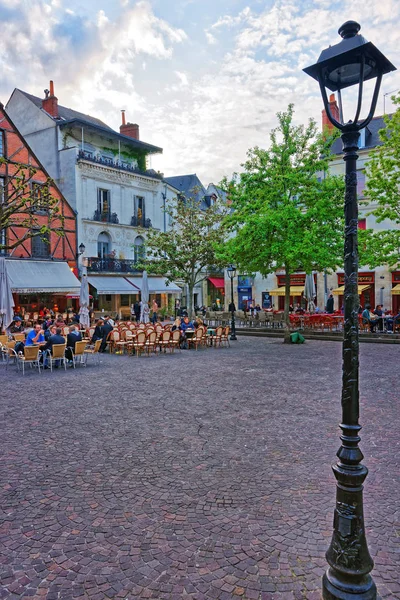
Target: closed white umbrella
[(84, 318), (309, 289), (144, 305), (6, 298)]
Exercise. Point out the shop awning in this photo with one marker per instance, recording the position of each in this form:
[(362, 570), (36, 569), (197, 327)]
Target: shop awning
[(218, 282), (112, 285), (42, 277), (295, 290), (340, 290), (396, 290), (157, 285)]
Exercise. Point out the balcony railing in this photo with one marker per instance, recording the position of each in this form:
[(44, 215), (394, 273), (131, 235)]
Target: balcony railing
[(140, 222), (111, 265), (116, 164), (105, 217)]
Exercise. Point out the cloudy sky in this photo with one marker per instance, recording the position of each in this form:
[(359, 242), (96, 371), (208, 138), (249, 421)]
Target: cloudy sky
[(203, 78)]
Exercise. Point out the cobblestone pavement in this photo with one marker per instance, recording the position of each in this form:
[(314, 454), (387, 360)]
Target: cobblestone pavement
[(199, 475)]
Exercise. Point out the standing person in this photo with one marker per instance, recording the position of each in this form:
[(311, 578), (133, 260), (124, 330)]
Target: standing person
[(136, 310), (330, 304), (107, 328), (154, 307)]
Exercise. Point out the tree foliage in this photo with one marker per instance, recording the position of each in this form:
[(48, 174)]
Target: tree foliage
[(27, 207), (286, 209), (186, 251), (380, 247)]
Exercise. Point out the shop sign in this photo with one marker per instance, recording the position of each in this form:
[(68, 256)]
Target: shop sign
[(363, 278)]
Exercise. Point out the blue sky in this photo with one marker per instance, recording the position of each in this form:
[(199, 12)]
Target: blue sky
[(203, 78)]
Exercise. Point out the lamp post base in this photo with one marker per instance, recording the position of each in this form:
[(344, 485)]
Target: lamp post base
[(233, 337), (333, 589)]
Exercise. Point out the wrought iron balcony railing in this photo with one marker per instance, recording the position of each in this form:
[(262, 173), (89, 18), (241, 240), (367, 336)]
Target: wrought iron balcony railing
[(116, 164), (140, 222), (105, 217), (111, 265)]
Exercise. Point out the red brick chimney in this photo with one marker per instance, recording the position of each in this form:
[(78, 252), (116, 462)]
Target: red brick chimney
[(129, 129), (326, 124), (50, 102)]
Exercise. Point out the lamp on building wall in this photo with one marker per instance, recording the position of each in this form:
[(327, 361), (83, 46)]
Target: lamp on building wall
[(350, 62), (231, 274), (82, 249)]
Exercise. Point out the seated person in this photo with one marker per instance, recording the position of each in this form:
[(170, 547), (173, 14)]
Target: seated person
[(107, 328), (35, 336), (17, 326), (73, 337), (197, 322), (176, 325), (369, 318), (186, 324), (98, 331), (379, 313), (49, 332), (54, 339)]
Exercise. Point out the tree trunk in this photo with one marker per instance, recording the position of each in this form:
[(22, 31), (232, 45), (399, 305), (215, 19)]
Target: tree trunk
[(190, 300), (286, 339)]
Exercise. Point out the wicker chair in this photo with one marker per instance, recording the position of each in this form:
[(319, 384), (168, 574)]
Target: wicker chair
[(175, 340), (78, 354), (94, 351), (139, 342), (30, 357), (151, 342), (57, 354), (164, 341), (225, 336), (197, 339)]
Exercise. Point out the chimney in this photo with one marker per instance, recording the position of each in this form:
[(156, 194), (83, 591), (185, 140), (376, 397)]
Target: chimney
[(50, 102), (326, 124), (129, 129)]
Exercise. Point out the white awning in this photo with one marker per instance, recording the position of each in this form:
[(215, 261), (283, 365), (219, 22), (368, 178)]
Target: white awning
[(157, 285), (42, 277), (107, 284)]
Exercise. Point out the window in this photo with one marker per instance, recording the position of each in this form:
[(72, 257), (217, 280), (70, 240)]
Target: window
[(103, 245), (39, 197), (360, 183), (362, 223), (103, 202), (139, 209), (1, 143), (41, 246), (140, 250)]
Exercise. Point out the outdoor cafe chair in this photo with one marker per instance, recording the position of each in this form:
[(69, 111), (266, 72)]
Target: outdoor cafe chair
[(112, 339), (30, 357), (151, 342), (164, 341), (126, 341), (139, 342), (78, 354), (35, 316), (197, 339), (225, 336), (217, 337), (175, 340), (57, 354), (93, 351), (19, 337), (3, 339)]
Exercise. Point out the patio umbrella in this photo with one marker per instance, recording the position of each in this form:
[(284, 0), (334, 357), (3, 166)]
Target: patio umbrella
[(84, 303), (6, 298), (309, 289), (144, 305)]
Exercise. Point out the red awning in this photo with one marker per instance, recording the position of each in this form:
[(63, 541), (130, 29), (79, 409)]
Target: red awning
[(218, 282)]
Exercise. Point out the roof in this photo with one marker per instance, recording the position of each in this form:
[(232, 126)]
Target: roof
[(186, 185), (69, 116), (372, 138)]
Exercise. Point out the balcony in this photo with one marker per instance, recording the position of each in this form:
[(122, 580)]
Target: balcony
[(116, 164), (105, 217), (140, 222), (111, 265)]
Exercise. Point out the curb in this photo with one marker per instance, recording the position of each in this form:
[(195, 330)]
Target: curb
[(330, 337)]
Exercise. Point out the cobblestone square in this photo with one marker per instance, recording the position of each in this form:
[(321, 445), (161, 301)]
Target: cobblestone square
[(201, 475)]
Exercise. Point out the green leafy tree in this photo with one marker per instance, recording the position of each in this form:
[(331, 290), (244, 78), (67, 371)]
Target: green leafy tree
[(378, 247), (27, 208), (186, 251), (287, 210)]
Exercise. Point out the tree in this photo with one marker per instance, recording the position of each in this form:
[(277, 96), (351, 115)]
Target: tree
[(380, 247), (186, 251), (286, 209), (27, 206)]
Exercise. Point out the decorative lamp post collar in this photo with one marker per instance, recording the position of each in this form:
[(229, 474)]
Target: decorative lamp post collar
[(231, 271)]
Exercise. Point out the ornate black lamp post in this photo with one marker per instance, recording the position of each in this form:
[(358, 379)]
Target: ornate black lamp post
[(350, 62), (231, 274)]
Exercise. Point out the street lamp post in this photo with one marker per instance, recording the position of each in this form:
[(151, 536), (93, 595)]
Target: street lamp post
[(350, 62), (231, 274)]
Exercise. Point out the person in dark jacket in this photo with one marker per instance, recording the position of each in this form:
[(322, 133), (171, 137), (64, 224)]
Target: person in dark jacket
[(330, 304), (73, 337), (107, 328), (54, 339), (98, 331)]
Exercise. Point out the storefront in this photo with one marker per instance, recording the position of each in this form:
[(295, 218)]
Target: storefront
[(110, 293), (297, 282), (216, 292), (38, 284), (366, 289), (396, 292), (245, 291), (162, 291)]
